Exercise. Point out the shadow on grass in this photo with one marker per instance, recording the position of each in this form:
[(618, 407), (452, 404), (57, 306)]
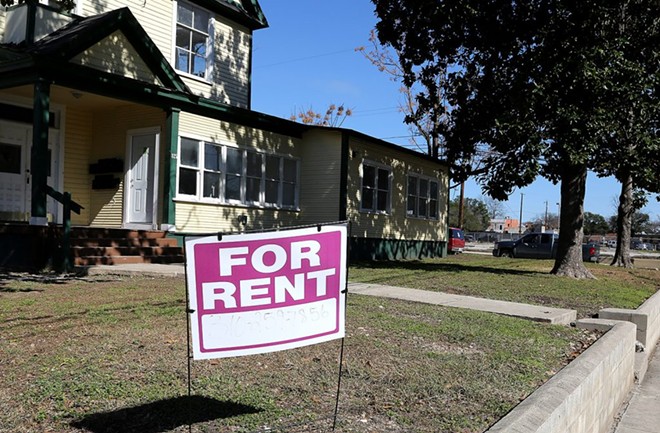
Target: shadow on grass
[(7, 278), (163, 415), (441, 267), (13, 290)]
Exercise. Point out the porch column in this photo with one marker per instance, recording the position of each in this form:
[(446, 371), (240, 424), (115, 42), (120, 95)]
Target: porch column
[(39, 152), (169, 183)]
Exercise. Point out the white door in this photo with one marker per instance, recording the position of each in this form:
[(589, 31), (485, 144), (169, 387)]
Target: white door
[(141, 178), (14, 177)]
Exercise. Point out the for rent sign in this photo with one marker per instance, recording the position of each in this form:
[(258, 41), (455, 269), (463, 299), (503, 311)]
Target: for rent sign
[(257, 293)]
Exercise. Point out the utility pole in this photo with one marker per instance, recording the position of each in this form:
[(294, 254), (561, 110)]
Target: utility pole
[(461, 206), (545, 219), (521, 208)]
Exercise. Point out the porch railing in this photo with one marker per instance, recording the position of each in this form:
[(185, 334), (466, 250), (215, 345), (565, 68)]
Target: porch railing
[(68, 206)]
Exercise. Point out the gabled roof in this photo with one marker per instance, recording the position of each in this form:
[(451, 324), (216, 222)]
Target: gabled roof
[(52, 58), (81, 34), (244, 12)]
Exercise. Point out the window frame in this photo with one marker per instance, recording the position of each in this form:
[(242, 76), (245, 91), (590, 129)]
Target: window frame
[(223, 172), (377, 166), (429, 199), (209, 47)]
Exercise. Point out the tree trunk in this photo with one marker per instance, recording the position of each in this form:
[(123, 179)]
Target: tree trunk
[(624, 218), (569, 251)]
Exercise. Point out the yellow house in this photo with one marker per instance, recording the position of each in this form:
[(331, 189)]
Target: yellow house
[(142, 114)]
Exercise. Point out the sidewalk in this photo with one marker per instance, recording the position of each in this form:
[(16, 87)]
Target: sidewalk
[(557, 316), (642, 415)]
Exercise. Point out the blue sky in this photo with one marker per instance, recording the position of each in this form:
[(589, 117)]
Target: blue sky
[(307, 58)]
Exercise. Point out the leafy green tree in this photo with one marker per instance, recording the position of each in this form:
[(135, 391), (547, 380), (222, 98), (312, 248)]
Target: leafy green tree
[(475, 216), (595, 224), (625, 73), (641, 223), (522, 99)]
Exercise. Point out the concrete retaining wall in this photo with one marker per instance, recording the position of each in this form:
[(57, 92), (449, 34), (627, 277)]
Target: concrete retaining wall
[(646, 317), (585, 395)]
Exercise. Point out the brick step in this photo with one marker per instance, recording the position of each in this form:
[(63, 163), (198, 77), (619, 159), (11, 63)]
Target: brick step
[(123, 242), (126, 251), (109, 246), (117, 260)]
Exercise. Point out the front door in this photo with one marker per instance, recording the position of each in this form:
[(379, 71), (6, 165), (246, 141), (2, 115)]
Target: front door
[(15, 187), (142, 149), (14, 175)]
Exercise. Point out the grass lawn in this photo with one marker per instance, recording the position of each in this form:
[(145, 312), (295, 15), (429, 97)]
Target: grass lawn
[(107, 354), (517, 280)]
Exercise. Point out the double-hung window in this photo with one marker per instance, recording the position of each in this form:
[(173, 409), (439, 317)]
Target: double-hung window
[(214, 173), (375, 188), (234, 177), (253, 177), (192, 40), (422, 198), (189, 164), (212, 170)]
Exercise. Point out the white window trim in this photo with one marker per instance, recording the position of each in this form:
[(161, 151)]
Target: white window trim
[(430, 179), (222, 200), (210, 45), (382, 166)]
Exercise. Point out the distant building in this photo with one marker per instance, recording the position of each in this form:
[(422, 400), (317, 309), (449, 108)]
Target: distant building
[(504, 225)]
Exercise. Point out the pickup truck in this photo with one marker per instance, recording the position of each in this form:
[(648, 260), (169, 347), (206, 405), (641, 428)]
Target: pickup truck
[(541, 246)]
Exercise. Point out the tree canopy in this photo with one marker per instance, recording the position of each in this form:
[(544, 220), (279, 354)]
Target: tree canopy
[(475, 217), (595, 224), (528, 86)]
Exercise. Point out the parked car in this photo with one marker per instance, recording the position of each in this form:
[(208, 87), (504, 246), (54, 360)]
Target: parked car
[(456, 242), (541, 246), (637, 245)]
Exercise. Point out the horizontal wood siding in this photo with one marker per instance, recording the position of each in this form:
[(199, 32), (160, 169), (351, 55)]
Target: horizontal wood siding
[(107, 207), (320, 177), (232, 63), (116, 55), (77, 147), (110, 134), (209, 218), (155, 16), (396, 225)]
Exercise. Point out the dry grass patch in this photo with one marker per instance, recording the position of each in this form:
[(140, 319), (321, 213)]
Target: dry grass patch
[(109, 354)]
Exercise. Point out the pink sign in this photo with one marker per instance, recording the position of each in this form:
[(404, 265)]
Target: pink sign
[(262, 292)]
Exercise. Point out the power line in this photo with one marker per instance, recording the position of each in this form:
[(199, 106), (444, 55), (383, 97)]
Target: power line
[(300, 59)]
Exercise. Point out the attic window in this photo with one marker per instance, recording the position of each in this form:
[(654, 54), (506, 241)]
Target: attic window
[(192, 40)]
